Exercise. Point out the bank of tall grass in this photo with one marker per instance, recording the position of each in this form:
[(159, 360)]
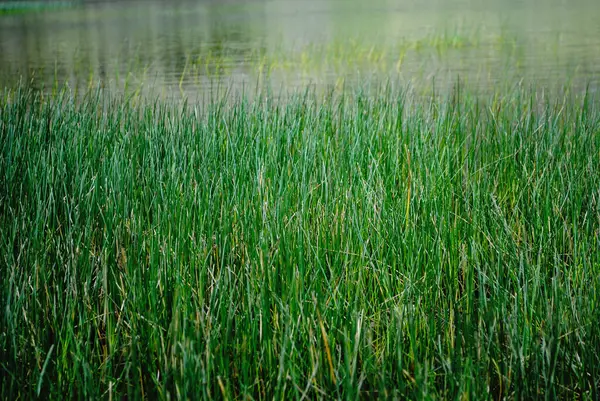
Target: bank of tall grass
[(340, 247)]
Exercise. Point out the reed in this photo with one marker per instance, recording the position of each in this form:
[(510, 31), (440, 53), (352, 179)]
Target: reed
[(362, 244)]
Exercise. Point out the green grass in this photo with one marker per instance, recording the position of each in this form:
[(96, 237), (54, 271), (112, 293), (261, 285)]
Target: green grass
[(340, 247)]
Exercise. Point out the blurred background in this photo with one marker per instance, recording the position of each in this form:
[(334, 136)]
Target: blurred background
[(187, 47)]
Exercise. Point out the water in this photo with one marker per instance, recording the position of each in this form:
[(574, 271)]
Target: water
[(192, 47)]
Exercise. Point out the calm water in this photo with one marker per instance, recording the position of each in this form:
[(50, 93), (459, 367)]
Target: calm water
[(190, 47)]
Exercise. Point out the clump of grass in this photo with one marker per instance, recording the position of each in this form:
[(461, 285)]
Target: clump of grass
[(351, 246)]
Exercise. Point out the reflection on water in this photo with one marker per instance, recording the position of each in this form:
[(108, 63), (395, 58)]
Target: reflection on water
[(191, 46)]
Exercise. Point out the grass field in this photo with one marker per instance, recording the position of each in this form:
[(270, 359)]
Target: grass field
[(347, 246)]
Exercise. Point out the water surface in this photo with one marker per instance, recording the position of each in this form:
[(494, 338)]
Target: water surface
[(190, 47)]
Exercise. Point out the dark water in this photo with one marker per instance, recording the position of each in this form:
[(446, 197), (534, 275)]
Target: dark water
[(190, 47)]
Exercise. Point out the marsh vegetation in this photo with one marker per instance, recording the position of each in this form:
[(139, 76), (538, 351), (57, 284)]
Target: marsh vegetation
[(338, 247), (200, 212)]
